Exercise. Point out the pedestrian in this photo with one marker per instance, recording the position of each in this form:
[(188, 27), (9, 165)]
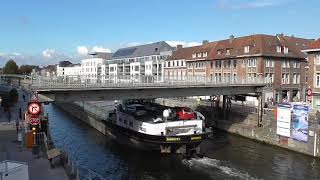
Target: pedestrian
[(17, 126), (20, 113), (9, 116), (229, 102)]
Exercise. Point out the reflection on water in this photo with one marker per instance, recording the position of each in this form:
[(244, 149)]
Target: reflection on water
[(227, 156)]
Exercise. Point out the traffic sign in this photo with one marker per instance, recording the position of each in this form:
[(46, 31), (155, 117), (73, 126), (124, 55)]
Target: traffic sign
[(309, 92), (34, 108), (34, 120)]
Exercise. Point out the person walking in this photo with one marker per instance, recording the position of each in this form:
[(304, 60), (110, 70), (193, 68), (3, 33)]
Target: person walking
[(9, 116)]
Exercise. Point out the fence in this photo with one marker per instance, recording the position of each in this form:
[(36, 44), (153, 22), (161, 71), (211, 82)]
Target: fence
[(140, 81), (76, 170)]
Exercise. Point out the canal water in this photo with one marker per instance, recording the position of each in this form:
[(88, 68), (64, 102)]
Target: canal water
[(226, 156)]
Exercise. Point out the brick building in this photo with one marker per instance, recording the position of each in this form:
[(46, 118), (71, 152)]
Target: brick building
[(313, 79), (277, 57)]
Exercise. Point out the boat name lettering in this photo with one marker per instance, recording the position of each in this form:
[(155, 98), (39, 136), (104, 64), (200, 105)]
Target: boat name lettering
[(196, 138), (172, 139)]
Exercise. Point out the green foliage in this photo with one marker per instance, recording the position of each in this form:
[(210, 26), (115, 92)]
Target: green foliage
[(10, 68), (26, 69)]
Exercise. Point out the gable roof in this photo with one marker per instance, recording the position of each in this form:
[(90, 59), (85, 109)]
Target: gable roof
[(142, 50), (259, 45), (186, 53), (315, 44)]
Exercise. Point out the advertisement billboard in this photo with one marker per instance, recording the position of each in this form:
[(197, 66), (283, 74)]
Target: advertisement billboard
[(300, 122), (284, 120)]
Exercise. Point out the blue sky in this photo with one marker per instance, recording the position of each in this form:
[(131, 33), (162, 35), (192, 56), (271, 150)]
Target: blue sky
[(45, 31)]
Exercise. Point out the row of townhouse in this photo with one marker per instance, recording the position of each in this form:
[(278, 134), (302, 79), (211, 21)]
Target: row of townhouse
[(313, 71), (277, 57)]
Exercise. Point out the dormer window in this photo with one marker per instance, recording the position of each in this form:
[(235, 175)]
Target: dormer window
[(228, 52), (205, 54), (278, 49), (199, 54), (246, 49), (286, 50), (219, 51), (194, 55)]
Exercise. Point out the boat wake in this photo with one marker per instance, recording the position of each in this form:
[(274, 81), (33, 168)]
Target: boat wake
[(214, 167)]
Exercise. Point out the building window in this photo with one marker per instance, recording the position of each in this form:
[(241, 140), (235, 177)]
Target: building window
[(318, 79), (205, 54), (278, 49), (285, 78), (194, 55), (228, 52), (285, 64), (136, 68), (286, 50), (252, 62), (199, 54), (269, 63), (218, 64), (318, 59), (234, 63), (296, 64), (246, 49)]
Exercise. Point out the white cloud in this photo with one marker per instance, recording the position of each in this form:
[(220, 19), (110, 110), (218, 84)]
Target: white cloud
[(82, 50), (185, 44), (48, 53), (249, 4), (100, 49)]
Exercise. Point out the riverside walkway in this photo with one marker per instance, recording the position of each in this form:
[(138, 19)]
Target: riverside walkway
[(39, 168)]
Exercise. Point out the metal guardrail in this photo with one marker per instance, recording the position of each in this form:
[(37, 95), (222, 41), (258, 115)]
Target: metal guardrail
[(78, 171), (65, 82)]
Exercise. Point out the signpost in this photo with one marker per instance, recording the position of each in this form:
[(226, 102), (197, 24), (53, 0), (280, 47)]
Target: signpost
[(34, 120), (309, 94), (34, 108)]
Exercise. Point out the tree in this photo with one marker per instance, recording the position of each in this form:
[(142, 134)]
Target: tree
[(10, 67), (26, 69)]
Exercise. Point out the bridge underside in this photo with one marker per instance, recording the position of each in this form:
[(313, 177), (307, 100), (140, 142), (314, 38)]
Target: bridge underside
[(100, 94)]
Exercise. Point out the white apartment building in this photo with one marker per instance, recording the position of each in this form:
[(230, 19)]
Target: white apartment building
[(91, 68), (140, 60), (66, 68)]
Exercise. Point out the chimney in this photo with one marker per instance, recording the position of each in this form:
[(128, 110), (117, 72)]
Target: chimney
[(179, 46), (231, 38), (205, 42)]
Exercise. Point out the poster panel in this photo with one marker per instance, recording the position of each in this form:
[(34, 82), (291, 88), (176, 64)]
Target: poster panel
[(300, 122), (284, 119)]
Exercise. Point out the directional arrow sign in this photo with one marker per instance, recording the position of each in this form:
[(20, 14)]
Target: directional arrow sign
[(34, 108)]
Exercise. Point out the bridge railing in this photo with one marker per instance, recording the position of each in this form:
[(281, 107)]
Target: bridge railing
[(140, 81)]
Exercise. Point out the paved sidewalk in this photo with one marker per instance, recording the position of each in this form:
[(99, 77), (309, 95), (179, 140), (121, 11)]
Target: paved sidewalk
[(39, 169)]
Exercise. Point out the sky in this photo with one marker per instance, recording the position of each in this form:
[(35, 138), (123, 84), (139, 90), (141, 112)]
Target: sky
[(45, 31)]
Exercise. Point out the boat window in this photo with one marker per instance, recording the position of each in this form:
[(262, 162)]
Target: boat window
[(131, 124)]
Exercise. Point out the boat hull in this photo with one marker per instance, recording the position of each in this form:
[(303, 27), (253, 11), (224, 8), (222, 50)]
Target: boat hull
[(164, 144)]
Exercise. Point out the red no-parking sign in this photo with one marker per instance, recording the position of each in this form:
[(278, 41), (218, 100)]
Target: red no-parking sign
[(34, 108)]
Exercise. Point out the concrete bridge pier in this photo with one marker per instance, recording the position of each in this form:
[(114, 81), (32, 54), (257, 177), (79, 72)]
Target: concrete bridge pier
[(224, 107), (260, 109)]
